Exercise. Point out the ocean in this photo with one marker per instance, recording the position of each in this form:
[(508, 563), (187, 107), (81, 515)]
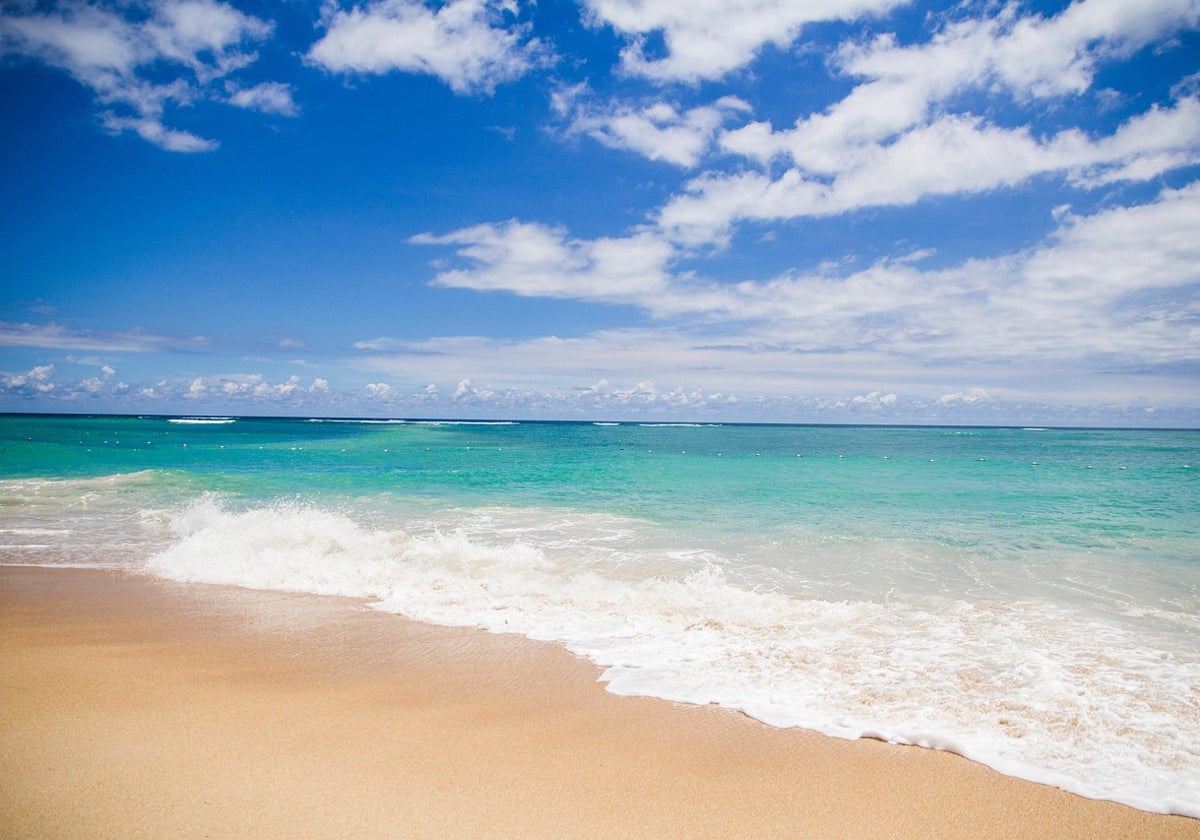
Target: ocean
[(1026, 597)]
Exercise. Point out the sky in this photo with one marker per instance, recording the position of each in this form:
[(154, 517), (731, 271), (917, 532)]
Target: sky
[(875, 211)]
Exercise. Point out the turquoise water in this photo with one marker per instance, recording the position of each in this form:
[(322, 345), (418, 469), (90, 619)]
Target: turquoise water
[(1027, 597)]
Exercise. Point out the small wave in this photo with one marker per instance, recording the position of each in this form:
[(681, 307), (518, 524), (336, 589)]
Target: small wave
[(1190, 619), (36, 532), (35, 485), (53, 564), (1033, 690)]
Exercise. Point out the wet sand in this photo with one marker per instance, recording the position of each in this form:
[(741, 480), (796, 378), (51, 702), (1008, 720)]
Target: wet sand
[(133, 707)]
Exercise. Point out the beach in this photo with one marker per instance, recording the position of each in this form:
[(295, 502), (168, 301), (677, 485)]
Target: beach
[(137, 707)]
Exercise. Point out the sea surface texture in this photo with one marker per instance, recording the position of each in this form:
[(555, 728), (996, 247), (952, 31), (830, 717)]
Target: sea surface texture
[(1029, 598)]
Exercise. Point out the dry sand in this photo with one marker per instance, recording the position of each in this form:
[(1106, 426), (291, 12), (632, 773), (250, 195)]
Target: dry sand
[(132, 707)]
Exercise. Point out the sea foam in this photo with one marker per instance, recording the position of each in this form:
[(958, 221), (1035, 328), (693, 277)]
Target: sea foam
[(1032, 688)]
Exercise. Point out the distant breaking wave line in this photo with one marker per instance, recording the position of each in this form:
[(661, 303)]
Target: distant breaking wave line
[(465, 422), (680, 425)]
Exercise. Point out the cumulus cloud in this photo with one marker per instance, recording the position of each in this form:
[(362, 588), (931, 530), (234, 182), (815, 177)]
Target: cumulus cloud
[(1047, 56), (35, 381), (970, 396), (1025, 56), (1049, 299), (253, 392), (43, 385), (266, 97), (876, 400), (247, 388), (658, 131), (706, 39), (142, 58), (471, 45), (534, 260), (954, 155), (898, 136), (1114, 289), (1110, 292)]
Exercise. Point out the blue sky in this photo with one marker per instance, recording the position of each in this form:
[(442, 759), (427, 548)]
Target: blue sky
[(829, 211)]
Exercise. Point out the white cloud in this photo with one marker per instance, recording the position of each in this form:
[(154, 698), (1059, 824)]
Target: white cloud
[(471, 45), (153, 131), (876, 400), (549, 369), (251, 388), (539, 363), (1127, 279), (535, 260), (658, 131), (138, 59), (266, 97), (36, 381), (722, 367), (203, 35), (382, 343), (950, 156), (970, 396), (55, 336), (896, 137), (1027, 56), (1117, 291), (228, 391), (706, 39), (1060, 54)]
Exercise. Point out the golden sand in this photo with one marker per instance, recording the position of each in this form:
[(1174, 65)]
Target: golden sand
[(132, 707)]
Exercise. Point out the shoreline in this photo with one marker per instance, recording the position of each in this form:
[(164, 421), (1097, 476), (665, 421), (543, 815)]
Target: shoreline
[(132, 706)]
